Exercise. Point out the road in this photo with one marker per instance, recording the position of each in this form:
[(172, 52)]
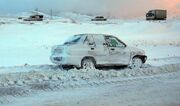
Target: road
[(158, 90)]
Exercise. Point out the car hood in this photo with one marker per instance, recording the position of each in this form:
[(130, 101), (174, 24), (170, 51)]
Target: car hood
[(58, 49), (136, 50)]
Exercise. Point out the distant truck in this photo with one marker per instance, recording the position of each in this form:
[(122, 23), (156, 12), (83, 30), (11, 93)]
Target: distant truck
[(99, 18), (156, 15)]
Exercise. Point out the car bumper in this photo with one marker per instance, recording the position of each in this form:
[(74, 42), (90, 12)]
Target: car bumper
[(59, 60)]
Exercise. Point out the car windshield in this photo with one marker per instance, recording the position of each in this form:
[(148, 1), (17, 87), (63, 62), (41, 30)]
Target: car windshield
[(73, 40), (150, 14)]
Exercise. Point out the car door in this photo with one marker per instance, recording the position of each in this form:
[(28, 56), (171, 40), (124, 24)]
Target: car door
[(118, 53), (96, 48)]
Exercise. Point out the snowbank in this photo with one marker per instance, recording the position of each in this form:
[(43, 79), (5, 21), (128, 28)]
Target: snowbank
[(25, 83), (53, 73)]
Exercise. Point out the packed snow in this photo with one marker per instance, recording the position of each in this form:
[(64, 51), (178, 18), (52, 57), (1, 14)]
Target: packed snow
[(159, 90), (27, 84)]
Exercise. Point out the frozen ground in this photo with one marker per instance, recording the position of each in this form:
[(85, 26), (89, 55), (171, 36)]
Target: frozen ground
[(157, 86), (26, 73), (160, 90)]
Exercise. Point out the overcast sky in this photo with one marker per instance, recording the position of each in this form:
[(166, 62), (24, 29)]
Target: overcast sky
[(118, 8)]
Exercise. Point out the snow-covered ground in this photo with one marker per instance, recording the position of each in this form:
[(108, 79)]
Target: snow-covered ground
[(147, 86), (160, 90), (26, 43), (25, 68)]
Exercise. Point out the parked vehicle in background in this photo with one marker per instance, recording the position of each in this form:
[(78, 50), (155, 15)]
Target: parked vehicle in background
[(99, 18), (92, 50), (156, 15), (35, 18)]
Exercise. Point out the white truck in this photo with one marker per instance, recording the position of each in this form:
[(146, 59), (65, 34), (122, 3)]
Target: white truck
[(156, 15), (89, 51)]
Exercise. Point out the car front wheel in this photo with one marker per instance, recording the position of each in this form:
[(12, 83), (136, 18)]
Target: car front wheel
[(136, 63)]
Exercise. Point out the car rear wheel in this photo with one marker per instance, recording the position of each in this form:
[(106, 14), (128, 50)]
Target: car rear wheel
[(88, 63), (136, 63)]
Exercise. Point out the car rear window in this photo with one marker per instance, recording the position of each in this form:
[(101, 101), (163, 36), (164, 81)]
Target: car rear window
[(73, 40)]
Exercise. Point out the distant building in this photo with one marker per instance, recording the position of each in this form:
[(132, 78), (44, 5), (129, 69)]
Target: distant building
[(99, 18), (35, 18)]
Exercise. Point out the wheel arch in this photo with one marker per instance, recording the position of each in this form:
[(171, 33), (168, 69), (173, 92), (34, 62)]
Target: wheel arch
[(142, 57), (88, 57)]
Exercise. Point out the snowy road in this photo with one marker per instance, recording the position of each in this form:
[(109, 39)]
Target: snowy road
[(158, 90), (147, 86)]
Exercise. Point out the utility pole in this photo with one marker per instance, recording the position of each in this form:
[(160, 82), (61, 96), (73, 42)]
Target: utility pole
[(51, 13), (36, 10)]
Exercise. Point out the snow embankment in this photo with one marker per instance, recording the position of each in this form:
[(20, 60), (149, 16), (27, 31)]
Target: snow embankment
[(24, 82)]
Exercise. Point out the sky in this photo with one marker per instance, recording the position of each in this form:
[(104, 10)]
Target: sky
[(115, 8)]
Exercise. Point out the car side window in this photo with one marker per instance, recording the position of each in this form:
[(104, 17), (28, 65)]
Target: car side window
[(90, 41), (113, 42)]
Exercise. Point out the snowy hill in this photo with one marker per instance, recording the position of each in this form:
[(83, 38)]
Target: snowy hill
[(75, 16)]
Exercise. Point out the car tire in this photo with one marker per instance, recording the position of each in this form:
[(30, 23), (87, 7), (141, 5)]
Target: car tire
[(136, 63), (88, 63)]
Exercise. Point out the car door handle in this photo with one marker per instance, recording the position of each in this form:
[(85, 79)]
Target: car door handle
[(112, 49), (92, 48)]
